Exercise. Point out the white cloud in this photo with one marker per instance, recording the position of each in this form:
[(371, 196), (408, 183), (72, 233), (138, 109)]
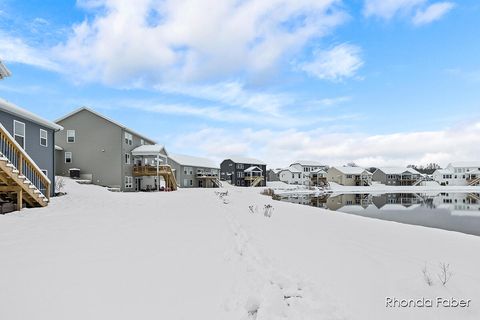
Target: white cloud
[(280, 147), (419, 11), (15, 49), (388, 8), (432, 13), (232, 93), (340, 62), (154, 41)]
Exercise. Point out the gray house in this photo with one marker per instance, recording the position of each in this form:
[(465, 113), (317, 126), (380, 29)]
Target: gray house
[(246, 172), (397, 176), (101, 149), (195, 171), (27, 156)]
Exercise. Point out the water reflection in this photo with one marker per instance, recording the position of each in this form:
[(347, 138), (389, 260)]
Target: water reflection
[(449, 211)]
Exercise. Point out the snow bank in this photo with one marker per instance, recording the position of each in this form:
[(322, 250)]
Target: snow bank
[(198, 254)]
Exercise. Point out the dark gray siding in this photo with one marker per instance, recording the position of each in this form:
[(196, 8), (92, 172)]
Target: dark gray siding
[(44, 157), (229, 172)]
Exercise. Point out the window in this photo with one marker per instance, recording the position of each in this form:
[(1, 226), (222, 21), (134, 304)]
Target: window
[(128, 138), (239, 174), (19, 132), (128, 182), (185, 182), (43, 138), (68, 157), (127, 158), (349, 176), (191, 182), (142, 142), (70, 136), (187, 170), (239, 166)]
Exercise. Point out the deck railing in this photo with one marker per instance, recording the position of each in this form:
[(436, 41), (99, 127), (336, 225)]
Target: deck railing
[(151, 170), (22, 162)]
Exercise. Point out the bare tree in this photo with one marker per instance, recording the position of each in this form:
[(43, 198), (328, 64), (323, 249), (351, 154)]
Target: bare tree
[(445, 274), (426, 276), (59, 184)]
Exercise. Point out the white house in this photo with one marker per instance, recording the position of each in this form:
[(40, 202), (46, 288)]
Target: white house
[(459, 174), (291, 176), (307, 166)]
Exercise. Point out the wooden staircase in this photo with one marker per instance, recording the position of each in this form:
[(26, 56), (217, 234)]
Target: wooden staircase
[(257, 180), (164, 171), (21, 181), (474, 182)]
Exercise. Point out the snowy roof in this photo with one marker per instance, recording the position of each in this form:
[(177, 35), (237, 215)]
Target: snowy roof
[(105, 118), (465, 164), (4, 72), (246, 160), (292, 170), (58, 148), (397, 170), (352, 170), (149, 149), (308, 163), (442, 171), (277, 170), (25, 114), (318, 171), (253, 168), (185, 160)]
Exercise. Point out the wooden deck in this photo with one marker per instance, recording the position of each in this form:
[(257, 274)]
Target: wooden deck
[(164, 171)]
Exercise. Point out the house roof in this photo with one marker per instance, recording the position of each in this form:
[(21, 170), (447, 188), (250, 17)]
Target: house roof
[(246, 160), (58, 148), (308, 163), (397, 170), (105, 118), (318, 171), (352, 170), (185, 160), (292, 170), (4, 72), (253, 168), (25, 114), (465, 164), (149, 150)]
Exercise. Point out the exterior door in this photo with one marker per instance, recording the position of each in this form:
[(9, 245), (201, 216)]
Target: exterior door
[(138, 184)]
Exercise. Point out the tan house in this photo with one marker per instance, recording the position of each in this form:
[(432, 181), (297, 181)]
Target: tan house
[(349, 176)]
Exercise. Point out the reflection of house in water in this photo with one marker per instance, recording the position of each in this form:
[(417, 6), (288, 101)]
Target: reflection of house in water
[(458, 201), (337, 202), (404, 199)]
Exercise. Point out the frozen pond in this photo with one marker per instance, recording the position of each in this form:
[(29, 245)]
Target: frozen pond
[(449, 211)]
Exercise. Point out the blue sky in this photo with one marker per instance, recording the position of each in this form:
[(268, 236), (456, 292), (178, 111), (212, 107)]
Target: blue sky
[(376, 82)]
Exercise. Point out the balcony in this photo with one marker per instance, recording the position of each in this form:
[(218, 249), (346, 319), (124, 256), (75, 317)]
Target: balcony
[(143, 171), (207, 174)]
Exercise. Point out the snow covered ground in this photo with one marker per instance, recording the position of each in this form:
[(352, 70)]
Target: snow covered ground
[(192, 254)]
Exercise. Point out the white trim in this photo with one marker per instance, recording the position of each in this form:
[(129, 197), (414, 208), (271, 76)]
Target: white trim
[(105, 118), (71, 156), (25, 155), (27, 115), (45, 172), (69, 136), (128, 158), (24, 132), (46, 138), (128, 182)]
